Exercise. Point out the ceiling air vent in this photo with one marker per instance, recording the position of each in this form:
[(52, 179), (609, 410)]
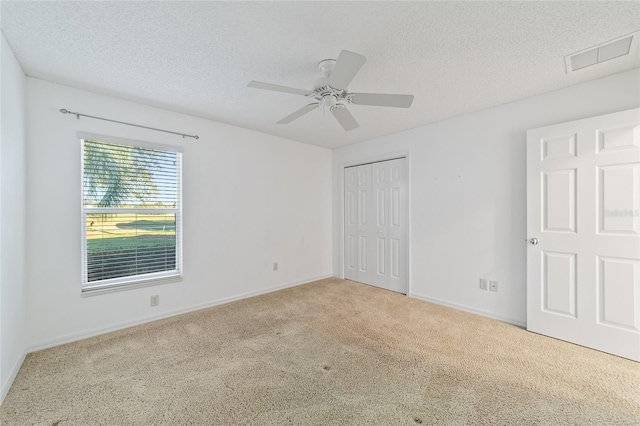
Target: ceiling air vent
[(599, 54)]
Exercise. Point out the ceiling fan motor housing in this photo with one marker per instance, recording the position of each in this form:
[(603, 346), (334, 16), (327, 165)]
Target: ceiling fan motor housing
[(321, 89)]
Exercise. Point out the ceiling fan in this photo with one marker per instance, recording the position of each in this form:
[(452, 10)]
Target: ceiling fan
[(331, 92)]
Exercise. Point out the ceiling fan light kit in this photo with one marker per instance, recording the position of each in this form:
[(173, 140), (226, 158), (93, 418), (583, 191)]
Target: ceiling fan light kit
[(331, 92)]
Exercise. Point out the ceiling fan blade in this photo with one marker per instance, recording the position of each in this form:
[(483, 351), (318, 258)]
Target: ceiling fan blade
[(344, 117), (347, 66), (299, 113), (277, 88), (380, 99)]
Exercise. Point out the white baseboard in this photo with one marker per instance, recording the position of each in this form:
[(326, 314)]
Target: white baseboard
[(469, 309), (73, 337), (12, 376)]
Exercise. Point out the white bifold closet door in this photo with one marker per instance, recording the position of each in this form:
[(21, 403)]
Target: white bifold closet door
[(376, 224)]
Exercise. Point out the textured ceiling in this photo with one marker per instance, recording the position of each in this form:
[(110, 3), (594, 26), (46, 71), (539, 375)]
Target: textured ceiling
[(197, 57)]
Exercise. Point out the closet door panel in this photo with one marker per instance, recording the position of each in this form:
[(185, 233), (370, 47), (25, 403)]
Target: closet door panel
[(351, 223), (380, 228), (365, 218), (398, 225), (376, 224)]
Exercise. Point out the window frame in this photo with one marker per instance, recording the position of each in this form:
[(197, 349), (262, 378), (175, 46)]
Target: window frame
[(133, 281)]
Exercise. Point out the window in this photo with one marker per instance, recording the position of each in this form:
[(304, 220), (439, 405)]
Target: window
[(131, 214)]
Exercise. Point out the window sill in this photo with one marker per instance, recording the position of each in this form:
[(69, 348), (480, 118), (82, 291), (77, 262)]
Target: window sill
[(113, 288)]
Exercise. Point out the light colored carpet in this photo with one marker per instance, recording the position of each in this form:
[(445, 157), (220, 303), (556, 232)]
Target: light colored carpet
[(329, 352)]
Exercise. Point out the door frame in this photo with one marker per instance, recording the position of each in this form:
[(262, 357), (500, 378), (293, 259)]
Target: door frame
[(375, 159)]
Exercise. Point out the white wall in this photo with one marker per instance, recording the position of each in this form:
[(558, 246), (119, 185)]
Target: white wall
[(468, 193), (12, 220), (249, 200)]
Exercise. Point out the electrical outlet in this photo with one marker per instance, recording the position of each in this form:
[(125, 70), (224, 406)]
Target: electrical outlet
[(275, 266), (484, 284), (493, 285), (155, 300)]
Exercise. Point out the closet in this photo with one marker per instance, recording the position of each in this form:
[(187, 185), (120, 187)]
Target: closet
[(376, 219)]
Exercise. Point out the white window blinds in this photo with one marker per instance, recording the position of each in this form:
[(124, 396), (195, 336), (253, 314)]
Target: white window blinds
[(132, 214)]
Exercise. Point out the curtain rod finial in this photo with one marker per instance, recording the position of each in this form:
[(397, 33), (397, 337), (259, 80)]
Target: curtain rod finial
[(64, 111)]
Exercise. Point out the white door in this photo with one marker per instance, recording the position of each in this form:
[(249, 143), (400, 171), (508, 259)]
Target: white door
[(366, 226), (583, 224), (359, 224), (376, 224), (398, 226), (351, 223), (380, 183)]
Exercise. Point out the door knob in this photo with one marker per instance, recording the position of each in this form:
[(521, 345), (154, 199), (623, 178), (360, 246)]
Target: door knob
[(534, 241)]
